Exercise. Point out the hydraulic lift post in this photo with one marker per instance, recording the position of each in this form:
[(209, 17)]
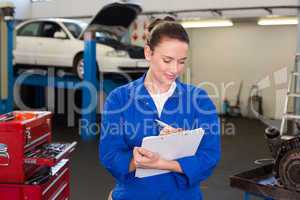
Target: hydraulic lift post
[(6, 56), (89, 99)]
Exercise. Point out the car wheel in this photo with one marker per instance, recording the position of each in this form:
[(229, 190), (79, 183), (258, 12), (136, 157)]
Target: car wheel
[(78, 67)]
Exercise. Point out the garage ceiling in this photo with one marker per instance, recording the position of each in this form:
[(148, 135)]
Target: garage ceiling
[(77, 8)]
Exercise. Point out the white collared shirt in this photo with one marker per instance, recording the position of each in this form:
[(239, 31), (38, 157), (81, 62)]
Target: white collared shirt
[(161, 98)]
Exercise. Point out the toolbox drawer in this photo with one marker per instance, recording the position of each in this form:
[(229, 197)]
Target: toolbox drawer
[(31, 128), (49, 154), (55, 187), (58, 184), (31, 167)]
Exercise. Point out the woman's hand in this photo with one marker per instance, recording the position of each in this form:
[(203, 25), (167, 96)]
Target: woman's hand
[(169, 130), (147, 160), (139, 157), (143, 158)]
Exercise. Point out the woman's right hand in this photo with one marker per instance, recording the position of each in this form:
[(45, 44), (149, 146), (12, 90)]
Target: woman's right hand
[(169, 130)]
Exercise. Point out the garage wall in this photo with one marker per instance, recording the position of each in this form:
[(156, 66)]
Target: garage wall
[(67, 8), (244, 52), (23, 9), (219, 55)]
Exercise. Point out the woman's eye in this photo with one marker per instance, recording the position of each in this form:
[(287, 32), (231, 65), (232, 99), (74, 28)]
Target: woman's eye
[(167, 61), (182, 62)]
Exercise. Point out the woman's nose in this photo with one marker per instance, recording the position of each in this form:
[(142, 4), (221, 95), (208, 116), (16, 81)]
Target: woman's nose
[(174, 68)]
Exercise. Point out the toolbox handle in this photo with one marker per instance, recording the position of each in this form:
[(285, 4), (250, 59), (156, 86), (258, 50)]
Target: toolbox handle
[(7, 117), (4, 155), (59, 192), (28, 134), (61, 154)]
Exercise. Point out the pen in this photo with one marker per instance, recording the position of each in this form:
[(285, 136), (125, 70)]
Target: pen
[(162, 124)]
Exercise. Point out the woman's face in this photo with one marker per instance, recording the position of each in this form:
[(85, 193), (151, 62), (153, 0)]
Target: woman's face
[(167, 60)]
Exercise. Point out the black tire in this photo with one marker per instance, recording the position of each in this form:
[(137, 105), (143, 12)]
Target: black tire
[(78, 67)]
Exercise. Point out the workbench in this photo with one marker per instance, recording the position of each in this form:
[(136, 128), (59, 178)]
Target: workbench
[(261, 182)]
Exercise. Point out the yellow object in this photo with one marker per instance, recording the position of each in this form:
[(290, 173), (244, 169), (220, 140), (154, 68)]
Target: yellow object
[(3, 60)]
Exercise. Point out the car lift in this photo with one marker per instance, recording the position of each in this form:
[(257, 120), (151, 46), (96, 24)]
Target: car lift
[(71, 82), (46, 81)]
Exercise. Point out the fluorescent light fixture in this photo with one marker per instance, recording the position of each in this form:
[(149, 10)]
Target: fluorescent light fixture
[(207, 23), (269, 21)]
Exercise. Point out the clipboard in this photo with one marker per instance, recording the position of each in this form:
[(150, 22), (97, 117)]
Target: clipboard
[(171, 147)]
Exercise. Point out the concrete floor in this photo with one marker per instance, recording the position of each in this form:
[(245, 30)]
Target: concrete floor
[(90, 180)]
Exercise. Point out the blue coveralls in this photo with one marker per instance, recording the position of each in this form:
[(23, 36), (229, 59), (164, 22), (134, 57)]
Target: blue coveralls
[(128, 117)]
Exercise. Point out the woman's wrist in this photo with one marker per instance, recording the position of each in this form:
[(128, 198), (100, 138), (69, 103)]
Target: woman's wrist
[(172, 165), (132, 166)]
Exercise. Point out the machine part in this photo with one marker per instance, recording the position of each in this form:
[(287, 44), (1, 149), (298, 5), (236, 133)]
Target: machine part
[(274, 140), (255, 102), (289, 170), (286, 152), (264, 161), (287, 165)]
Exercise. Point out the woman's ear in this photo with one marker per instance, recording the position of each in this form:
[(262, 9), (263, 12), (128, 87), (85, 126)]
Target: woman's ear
[(147, 52)]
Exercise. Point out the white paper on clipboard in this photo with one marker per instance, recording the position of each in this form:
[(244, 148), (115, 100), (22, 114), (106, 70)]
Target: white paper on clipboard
[(171, 147)]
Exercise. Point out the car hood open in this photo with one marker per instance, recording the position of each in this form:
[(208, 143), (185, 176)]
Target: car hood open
[(114, 18)]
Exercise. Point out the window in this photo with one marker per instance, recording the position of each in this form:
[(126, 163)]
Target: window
[(29, 29), (74, 28), (49, 29)]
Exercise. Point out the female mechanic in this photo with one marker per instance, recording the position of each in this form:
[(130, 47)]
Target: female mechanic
[(129, 116)]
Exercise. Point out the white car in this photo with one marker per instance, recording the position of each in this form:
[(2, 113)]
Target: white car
[(56, 42)]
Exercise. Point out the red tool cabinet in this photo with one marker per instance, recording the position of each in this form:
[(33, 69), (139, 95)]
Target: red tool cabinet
[(31, 167)]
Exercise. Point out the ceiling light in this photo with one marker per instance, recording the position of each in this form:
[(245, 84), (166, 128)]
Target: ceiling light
[(269, 21), (207, 23)]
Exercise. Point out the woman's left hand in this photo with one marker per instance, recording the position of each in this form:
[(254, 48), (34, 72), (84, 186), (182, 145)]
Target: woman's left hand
[(150, 160)]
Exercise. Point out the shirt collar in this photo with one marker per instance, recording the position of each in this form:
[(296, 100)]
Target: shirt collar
[(140, 91)]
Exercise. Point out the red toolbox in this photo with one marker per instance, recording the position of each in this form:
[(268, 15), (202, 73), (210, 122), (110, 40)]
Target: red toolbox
[(31, 167)]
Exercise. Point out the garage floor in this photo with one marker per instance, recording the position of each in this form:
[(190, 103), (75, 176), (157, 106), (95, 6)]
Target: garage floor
[(90, 181)]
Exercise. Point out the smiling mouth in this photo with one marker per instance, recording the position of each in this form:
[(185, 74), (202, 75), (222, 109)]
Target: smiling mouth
[(172, 77)]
